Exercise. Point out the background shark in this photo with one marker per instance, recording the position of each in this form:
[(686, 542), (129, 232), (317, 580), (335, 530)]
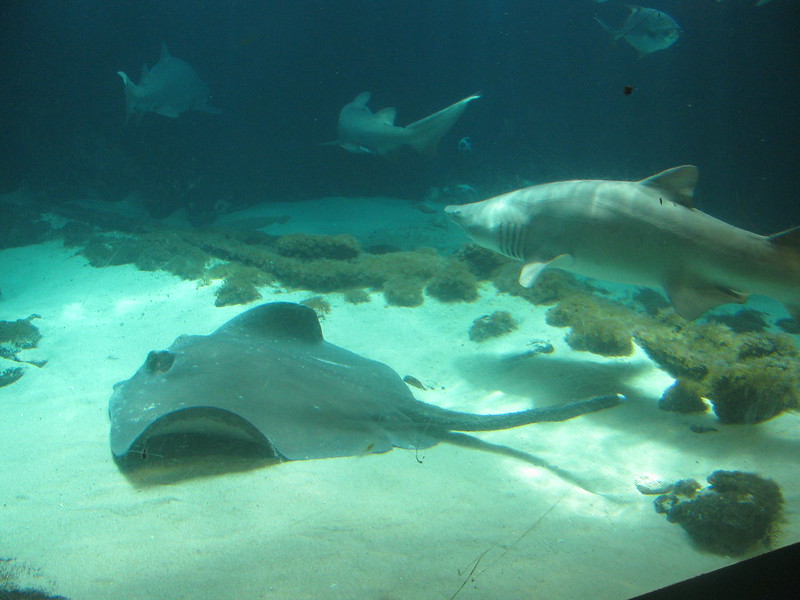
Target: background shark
[(638, 232), (361, 130), (171, 87)]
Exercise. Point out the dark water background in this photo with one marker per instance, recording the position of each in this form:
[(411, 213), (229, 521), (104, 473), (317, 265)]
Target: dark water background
[(724, 98)]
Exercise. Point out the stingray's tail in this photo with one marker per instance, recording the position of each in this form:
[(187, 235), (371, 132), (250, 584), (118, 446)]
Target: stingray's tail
[(450, 420), (424, 135)]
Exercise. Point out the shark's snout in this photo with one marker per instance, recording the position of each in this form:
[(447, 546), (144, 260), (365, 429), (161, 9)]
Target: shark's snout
[(454, 212)]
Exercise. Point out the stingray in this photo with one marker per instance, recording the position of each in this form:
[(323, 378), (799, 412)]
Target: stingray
[(268, 378)]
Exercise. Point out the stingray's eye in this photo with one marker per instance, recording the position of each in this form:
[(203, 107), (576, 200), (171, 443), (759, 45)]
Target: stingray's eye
[(159, 362)]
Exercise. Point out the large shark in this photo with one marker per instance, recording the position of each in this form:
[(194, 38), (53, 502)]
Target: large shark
[(171, 87), (637, 232), (361, 130)]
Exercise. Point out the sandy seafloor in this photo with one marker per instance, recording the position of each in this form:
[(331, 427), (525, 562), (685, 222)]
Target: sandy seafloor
[(389, 526)]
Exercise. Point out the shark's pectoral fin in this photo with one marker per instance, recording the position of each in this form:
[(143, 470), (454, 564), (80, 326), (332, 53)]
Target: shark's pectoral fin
[(356, 148), (168, 112), (531, 271), (691, 297)]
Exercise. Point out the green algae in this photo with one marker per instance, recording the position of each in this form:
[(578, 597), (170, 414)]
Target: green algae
[(403, 291), (490, 326), (319, 305), (453, 283), (300, 245), (596, 325), (18, 335)]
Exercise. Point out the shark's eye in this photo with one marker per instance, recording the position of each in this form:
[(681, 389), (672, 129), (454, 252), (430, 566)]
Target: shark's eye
[(159, 362)]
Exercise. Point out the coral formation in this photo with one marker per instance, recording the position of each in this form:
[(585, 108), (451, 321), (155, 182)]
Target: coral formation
[(356, 296), (748, 378), (18, 335), (683, 396), (488, 326), (732, 514), (109, 250), (604, 336), (597, 325), (550, 287), (480, 261), (403, 291), (236, 291), (754, 390), (169, 251), (319, 305), (155, 251), (453, 283), (684, 351), (301, 245), (316, 263), (745, 320), (239, 285), (10, 375)]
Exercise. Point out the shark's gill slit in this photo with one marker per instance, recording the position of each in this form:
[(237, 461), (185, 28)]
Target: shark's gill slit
[(511, 240)]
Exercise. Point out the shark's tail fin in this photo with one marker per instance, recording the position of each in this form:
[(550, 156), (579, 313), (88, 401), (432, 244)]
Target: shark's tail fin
[(130, 95), (424, 135)]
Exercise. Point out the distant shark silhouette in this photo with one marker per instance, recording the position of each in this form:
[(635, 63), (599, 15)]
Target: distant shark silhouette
[(361, 130), (171, 87), (638, 232)]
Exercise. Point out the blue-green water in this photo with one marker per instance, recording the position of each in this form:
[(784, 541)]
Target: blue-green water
[(560, 99)]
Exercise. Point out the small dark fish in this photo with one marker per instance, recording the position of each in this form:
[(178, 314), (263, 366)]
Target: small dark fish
[(410, 380), (702, 429)]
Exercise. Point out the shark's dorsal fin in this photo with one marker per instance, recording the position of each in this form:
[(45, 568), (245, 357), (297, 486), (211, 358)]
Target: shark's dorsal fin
[(164, 52), (362, 99), (789, 238), (677, 184), (283, 321), (386, 115)]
